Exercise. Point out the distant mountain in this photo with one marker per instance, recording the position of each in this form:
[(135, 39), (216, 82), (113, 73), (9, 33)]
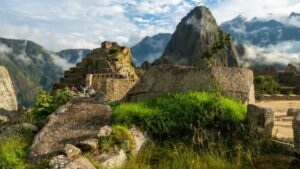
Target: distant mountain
[(74, 56), (30, 66), (261, 32), (199, 41), (294, 19), (267, 41), (150, 48)]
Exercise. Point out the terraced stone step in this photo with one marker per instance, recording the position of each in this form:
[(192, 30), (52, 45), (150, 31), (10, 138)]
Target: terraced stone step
[(283, 118), (283, 124), (72, 80)]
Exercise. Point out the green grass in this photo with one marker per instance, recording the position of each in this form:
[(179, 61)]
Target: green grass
[(179, 157), (177, 115)]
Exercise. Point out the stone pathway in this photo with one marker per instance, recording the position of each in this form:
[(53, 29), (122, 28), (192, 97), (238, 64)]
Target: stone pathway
[(283, 123), (70, 124)]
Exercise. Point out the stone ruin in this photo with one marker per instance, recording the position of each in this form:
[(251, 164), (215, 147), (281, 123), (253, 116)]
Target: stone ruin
[(107, 69), (288, 79), (160, 80)]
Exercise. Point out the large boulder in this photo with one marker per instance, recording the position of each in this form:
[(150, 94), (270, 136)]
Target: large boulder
[(261, 120), (163, 79), (73, 123), (8, 100)]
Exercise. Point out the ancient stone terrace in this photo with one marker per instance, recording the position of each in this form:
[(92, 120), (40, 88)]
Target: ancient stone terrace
[(110, 62)]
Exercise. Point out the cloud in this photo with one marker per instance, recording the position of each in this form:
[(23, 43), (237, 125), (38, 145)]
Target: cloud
[(85, 23), (5, 49), (227, 9), (60, 62), (282, 54)]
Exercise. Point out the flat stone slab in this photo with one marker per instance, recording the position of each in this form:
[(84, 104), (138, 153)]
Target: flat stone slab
[(70, 124)]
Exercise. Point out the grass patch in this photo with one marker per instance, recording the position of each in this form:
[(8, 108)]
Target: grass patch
[(47, 103), (179, 157), (12, 152), (177, 115)]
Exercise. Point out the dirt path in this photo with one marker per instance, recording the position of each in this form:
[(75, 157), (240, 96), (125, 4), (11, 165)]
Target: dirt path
[(283, 123)]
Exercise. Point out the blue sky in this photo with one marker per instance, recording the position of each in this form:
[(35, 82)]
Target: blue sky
[(62, 24)]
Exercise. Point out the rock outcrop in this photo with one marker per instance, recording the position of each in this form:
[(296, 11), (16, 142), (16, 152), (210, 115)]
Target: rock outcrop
[(199, 41), (77, 121), (160, 80), (261, 120), (8, 100), (102, 156), (296, 130)]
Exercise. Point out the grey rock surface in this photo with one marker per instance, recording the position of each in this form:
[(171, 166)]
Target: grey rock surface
[(196, 34), (160, 80), (88, 145), (77, 121), (261, 120), (8, 99), (71, 151)]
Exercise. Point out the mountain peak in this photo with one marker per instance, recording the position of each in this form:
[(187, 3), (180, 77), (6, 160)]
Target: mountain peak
[(294, 14), (198, 16), (194, 37), (240, 18)]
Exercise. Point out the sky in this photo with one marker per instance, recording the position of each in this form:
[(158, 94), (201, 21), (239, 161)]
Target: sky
[(64, 24)]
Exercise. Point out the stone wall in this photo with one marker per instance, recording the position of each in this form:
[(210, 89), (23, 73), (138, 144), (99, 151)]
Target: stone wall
[(235, 82), (116, 89), (8, 100)]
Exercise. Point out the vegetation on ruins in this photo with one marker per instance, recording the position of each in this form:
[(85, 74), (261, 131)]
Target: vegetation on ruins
[(47, 103), (169, 116), (195, 130), (121, 137)]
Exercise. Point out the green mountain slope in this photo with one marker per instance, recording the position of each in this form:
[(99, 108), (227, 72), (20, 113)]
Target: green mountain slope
[(30, 66)]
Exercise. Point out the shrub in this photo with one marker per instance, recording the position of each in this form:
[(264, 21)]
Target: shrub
[(176, 115), (47, 103), (266, 85)]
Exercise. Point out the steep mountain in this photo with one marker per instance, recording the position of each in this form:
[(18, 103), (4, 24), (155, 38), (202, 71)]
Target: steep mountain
[(74, 56), (30, 66), (150, 48), (262, 32), (199, 41)]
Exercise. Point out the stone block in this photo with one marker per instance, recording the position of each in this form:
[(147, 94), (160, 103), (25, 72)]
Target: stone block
[(261, 120), (296, 130)]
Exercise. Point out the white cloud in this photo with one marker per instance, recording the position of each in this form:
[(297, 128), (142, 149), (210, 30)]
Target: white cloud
[(85, 23), (227, 9), (62, 63), (282, 53), (5, 49)]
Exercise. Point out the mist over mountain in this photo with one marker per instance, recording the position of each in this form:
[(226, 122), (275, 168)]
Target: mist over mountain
[(31, 66), (74, 56), (267, 41)]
